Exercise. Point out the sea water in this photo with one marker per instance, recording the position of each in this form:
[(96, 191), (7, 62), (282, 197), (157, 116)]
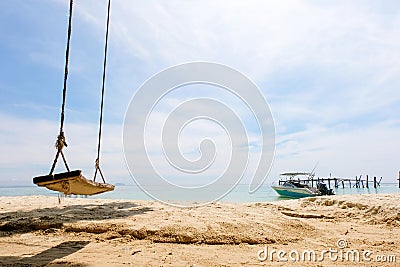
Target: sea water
[(239, 194)]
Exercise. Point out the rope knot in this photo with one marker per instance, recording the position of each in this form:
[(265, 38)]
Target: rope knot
[(60, 143)]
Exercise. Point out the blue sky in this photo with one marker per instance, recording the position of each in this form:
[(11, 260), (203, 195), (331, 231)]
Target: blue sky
[(330, 71)]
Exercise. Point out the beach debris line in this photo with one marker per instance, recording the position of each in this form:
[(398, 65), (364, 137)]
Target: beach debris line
[(73, 182)]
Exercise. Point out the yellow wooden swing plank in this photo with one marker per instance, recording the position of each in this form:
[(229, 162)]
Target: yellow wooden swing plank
[(72, 182)]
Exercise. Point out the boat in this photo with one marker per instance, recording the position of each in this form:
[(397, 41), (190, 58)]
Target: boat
[(291, 185)]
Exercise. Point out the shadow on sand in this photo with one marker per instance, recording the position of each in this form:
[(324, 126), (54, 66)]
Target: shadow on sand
[(55, 217), (45, 257)]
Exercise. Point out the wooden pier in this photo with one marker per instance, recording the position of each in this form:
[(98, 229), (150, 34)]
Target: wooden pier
[(337, 182)]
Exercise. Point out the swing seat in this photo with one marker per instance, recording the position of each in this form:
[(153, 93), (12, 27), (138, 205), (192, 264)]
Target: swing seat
[(72, 183)]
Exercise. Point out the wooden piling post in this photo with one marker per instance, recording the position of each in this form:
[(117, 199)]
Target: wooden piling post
[(329, 183), (374, 181), (343, 183), (366, 183), (399, 179)]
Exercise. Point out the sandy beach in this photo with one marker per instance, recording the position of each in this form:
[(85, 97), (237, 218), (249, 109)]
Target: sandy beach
[(358, 230)]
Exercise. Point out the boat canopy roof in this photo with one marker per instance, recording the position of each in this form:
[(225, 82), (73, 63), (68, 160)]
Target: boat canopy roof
[(296, 173)]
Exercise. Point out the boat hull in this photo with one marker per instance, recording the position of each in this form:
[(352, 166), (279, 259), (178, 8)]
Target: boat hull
[(294, 192)]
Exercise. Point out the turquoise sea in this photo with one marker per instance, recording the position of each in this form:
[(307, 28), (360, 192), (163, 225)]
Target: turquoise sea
[(239, 194)]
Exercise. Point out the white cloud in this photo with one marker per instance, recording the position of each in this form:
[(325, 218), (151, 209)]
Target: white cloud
[(330, 71), (343, 151), (28, 149)]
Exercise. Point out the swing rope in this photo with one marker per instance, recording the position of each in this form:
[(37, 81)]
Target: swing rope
[(60, 143), (97, 162)]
